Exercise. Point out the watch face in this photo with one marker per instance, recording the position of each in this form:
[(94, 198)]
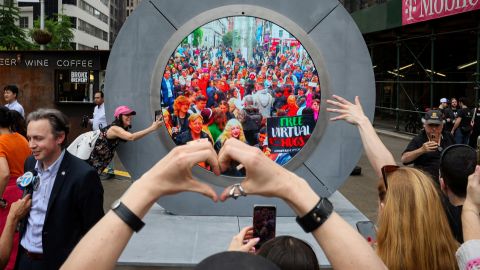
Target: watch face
[(116, 204)]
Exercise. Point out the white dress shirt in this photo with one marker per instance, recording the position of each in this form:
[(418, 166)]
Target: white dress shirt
[(32, 239), (99, 120), (16, 107)]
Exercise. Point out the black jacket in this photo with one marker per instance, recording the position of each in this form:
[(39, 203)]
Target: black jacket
[(186, 136), (75, 205)]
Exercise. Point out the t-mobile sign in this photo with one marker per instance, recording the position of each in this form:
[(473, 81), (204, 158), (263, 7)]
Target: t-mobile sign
[(414, 11)]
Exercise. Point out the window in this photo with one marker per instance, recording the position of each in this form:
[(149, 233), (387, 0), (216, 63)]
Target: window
[(23, 22), (73, 21), (92, 30), (93, 11), (74, 86), (84, 47)]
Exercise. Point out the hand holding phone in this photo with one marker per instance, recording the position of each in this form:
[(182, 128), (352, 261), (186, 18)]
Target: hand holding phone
[(244, 241), (264, 223), (158, 115)]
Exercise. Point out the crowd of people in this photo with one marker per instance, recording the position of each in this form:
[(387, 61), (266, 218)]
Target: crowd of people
[(428, 216), (210, 92), (413, 230), (462, 120)]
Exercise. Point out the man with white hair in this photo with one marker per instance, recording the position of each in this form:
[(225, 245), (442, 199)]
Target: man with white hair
[(425, 149)]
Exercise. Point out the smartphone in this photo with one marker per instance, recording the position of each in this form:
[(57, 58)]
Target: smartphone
[(264, 223), (367, 230), (158, 115)]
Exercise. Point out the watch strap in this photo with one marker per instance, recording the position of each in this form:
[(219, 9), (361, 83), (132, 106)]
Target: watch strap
[(125, 214), (317, 216)]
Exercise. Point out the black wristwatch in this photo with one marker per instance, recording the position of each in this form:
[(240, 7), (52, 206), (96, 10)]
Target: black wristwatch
[(317, 216), (127, 216)]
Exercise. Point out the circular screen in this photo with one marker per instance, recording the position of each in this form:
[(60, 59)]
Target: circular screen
[(150, 39), (245, 78)]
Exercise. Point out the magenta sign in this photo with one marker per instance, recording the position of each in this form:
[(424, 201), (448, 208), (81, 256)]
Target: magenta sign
[(414, 11)]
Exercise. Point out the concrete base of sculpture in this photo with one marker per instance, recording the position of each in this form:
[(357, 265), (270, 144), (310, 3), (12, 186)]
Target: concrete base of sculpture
[(169, 241)]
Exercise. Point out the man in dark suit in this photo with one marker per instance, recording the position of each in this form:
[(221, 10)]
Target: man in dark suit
[(68, 200)]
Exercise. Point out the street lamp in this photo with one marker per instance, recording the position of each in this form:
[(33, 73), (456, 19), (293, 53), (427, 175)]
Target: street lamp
[(42, 19)]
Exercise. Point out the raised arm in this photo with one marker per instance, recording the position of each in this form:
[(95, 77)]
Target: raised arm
[(170, 175), (471, 208), (118, 132), (377, 153), (468, 255), (345, 248)]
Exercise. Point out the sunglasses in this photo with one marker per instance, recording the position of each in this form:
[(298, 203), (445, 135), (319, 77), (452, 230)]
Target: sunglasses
[(387, 169)]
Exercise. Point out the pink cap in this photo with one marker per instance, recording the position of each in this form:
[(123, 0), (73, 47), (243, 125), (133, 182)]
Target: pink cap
[(123, 110)]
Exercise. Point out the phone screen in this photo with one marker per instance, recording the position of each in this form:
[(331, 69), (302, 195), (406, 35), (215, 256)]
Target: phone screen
[(367, 230), (264, 222), (158, 115)]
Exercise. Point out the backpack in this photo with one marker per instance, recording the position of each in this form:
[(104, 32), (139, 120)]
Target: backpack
[(253, 121), (83, 145)]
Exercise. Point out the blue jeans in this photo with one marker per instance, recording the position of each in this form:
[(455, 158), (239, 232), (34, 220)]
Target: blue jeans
[(461, 138)]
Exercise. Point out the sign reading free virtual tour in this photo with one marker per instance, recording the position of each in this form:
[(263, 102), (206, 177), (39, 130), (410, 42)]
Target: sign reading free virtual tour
[(287, 134), (414, 11)]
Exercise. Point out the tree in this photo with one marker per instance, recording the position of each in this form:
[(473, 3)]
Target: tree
[(227, 39), (230, 37), (61, 30), (197, 37), (12, 37)]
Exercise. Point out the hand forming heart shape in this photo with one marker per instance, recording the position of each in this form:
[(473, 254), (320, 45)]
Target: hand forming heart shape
[(173, 173)]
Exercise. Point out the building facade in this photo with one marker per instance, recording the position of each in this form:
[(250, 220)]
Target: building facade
[(65, 80), (117, 18), (130, 6), (90, 20), (421, 51)]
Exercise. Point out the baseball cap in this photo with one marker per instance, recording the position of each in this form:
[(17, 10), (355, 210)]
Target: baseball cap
[(123, 110), (206, 114), (433, 117), (442, 100)]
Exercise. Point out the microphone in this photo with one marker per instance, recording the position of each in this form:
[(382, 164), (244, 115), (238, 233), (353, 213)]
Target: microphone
[(28, 182)]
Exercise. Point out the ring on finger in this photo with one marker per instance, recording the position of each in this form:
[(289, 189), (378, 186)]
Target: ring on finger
[(237, 191)]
